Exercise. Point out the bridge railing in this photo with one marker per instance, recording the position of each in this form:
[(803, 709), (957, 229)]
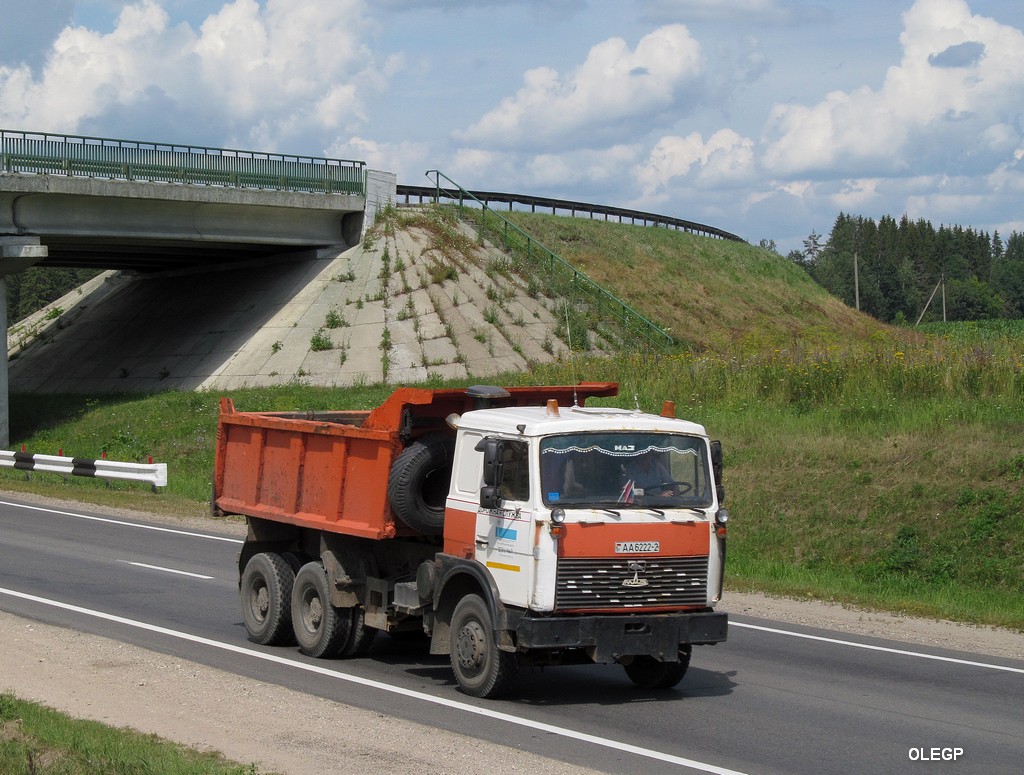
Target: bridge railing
[(98, 157), (499, 229), (577, 209)]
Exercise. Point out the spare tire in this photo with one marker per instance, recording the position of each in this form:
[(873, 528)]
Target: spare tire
[(419, 480)]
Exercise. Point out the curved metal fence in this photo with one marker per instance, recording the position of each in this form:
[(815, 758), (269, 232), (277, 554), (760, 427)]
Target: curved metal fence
[(98, 157), (621, 214)]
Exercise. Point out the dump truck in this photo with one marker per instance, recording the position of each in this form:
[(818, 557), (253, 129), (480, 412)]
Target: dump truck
[(508, 527)]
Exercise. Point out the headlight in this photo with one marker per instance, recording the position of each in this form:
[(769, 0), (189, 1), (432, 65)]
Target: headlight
[(721, 516), (558, 515)]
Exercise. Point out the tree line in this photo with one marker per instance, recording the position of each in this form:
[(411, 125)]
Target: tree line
[(900, 264), (36, 287)]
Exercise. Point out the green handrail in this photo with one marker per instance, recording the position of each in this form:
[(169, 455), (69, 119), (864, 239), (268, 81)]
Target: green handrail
[(99, 157), (514, 238)]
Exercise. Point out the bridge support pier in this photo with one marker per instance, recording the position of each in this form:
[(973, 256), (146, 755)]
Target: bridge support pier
[(16, 254)]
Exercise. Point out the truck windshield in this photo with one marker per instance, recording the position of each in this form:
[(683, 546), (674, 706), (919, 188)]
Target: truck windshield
[(625, 469)]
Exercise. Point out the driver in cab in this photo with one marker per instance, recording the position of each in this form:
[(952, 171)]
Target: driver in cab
[(647, 474)]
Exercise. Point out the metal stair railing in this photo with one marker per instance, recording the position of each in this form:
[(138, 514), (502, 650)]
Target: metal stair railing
[(537, 255)]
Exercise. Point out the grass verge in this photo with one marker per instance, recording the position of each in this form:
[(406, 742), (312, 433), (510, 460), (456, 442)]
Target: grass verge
[(36, 740)]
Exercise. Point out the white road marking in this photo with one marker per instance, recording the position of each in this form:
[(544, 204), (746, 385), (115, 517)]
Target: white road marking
[(869, 647), (166, 570), (140, 525), (506, 718)]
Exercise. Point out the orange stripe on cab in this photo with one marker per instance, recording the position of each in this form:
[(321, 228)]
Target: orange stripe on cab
[(675, 540)]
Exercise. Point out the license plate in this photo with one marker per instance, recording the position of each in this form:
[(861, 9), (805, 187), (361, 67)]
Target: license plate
[(637, 547)]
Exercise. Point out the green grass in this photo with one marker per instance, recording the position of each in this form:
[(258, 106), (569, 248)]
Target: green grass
[(709, 294), (36, 740)]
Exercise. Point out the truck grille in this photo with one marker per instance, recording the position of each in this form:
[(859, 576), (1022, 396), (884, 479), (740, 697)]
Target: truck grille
[(619, 582)]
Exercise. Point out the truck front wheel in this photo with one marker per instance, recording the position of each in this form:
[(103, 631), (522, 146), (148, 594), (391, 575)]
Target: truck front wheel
[(648, 673), (266, 591), (481, 669), (320, 629)]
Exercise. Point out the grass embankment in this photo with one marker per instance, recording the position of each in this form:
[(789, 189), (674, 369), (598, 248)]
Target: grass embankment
[(710, 294), (36, 740), (884, 474)]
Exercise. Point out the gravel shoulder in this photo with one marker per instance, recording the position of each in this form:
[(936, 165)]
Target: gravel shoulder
[(283, 731)]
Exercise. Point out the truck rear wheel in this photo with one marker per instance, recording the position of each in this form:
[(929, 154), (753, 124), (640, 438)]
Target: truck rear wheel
[(648, 673), (320, 629), (266, 592), (360, 637), (481, 668), (418, 482)]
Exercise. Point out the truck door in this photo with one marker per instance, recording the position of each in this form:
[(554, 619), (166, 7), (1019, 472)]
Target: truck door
[(504, 543)]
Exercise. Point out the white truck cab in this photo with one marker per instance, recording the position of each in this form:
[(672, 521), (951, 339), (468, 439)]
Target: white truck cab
[(602, 530)]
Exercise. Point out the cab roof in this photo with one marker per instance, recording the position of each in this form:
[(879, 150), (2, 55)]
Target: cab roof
[(542, 421)]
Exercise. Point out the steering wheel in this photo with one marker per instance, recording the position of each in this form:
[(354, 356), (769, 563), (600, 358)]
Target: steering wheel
[(681, 488)]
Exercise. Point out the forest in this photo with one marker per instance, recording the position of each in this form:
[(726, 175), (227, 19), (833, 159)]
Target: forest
[(903, 264), (36, 287)]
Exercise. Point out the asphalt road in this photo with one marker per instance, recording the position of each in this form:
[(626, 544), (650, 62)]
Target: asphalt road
[(776, 698)]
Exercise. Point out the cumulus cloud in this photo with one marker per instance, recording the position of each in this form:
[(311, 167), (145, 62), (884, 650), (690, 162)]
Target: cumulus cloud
[(270, 72), (614, 88), (408, 160), (724, 159), (563, 174), (960, 75)]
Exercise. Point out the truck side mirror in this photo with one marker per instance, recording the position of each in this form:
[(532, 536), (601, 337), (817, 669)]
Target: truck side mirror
[(716, 465), (494, 460), (494, 472), (490, 497)]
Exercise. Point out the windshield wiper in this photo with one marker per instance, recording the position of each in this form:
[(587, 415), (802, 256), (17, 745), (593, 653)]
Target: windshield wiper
[(588, 505)]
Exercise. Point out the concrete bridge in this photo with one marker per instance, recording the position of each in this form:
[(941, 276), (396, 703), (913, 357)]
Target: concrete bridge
[(148, 208)]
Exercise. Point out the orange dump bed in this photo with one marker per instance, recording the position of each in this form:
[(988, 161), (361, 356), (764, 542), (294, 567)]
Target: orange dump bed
[(329, 470)]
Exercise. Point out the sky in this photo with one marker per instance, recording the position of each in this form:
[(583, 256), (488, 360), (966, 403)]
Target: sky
[(765, 118)]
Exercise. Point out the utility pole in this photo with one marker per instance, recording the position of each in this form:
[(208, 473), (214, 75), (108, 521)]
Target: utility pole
[(942, 283)]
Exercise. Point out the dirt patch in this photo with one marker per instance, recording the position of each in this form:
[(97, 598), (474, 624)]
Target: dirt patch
[(246, 720)]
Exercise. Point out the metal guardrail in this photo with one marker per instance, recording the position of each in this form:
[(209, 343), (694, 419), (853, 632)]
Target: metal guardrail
[(514, 238), (99, 157), (153, 473), (575, 208)]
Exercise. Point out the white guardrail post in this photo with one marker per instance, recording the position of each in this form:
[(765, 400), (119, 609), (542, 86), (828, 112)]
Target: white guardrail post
[(153, 473)]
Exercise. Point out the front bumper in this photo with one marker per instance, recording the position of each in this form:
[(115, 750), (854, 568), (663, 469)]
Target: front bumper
[(607, 638)]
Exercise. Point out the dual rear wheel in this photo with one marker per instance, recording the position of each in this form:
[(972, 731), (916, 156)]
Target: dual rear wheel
[(282, 605)]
